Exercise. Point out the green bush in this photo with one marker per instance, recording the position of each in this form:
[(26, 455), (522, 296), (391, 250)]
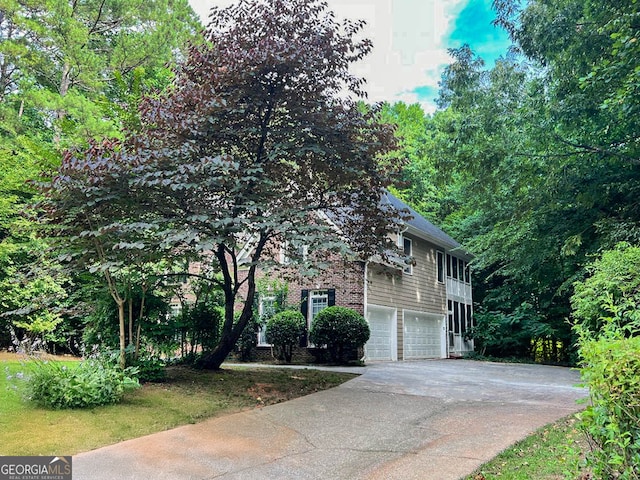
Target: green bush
[(341, 330), (248, 340), (149, 368), (614, 279), (611, 371), (283, 332), (606, 307), (91, 383)]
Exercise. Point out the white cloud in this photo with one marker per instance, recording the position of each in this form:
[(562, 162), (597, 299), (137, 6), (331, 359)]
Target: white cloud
[(409, 39)]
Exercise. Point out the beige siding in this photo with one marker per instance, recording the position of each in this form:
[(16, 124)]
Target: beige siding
[(419, 291)]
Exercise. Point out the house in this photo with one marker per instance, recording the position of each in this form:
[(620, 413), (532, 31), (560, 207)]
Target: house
[(415, 310)]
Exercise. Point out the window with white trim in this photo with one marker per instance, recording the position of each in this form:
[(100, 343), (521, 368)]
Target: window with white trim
[(318, 301), (290, 251), (266, 309), (457, 269)]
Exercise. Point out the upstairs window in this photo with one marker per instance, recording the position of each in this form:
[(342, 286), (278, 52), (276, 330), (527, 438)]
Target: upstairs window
[(457, 269), (408, 252), (440, 266)]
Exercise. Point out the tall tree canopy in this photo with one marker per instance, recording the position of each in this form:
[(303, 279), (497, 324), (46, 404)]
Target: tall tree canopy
[(258, 144), (543, 150), (70, 71)]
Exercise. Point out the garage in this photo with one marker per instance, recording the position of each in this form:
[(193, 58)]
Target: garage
[(423, 335), (383, 338)]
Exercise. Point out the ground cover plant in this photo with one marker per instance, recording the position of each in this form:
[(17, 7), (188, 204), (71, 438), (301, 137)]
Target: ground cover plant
[(187, 396), (554, 452)]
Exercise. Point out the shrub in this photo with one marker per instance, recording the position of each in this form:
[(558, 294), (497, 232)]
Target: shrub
[(248, 340), (614, 278), (341, 329), (149, 368), (91, 383), (283, 332), (611, 370)]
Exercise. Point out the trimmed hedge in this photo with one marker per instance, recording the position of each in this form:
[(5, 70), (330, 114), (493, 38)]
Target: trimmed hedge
[(283, 332), (342, 330)]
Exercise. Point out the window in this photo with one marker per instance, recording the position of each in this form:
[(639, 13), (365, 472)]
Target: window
[(463, 319), (290, 252), (175, 309), (440, 266), (454, 267), (456, 317), (266, 309), (470, 321), (408, 252), (312, 302), (318, 300)]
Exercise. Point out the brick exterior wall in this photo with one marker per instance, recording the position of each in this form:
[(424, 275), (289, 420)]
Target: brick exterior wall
[(347, 278)]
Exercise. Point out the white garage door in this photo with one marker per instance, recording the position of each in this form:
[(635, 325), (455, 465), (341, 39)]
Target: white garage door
[(382, 341), (422, 335)]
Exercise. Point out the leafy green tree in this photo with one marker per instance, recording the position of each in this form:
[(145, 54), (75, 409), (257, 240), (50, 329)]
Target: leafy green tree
[(418, 182), (94, 216), (71, 71), (62, 56)]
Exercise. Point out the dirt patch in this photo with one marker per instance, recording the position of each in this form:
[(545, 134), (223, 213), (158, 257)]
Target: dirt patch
[(267, 394), (16, 357)]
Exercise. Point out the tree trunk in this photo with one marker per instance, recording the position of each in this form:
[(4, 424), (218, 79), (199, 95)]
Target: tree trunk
[(230, 332), (140, 315), (130, 302), (122, 360)]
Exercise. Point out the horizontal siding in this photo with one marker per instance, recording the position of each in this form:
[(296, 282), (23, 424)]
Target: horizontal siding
[(419, 291)]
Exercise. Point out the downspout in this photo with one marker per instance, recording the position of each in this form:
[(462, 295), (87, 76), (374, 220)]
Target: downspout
[(364, 297)]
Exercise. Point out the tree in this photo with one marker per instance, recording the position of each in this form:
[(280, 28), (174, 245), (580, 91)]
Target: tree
[(417, 185), (612, 290), (62, 56), (542, 155), (94, 215), (259, 143), (69, 72)]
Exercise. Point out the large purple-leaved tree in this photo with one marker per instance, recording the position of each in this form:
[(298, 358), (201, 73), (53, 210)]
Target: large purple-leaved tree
[(259, 139)]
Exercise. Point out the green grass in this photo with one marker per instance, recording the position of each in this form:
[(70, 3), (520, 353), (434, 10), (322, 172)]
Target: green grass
[(188, 396), (555, 452)]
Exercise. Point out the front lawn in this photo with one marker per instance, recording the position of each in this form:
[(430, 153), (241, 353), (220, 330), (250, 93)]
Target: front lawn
[(188, 396)]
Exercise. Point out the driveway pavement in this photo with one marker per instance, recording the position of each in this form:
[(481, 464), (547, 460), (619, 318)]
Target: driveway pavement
[(437, 419)]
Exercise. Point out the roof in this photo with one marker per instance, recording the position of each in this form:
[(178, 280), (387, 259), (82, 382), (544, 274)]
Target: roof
[(420, 226)]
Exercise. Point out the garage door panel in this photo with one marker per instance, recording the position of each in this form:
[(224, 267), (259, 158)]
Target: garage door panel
[(422, 336), (381, 344)]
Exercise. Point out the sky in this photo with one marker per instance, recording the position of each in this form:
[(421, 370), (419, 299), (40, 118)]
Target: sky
[(410, 42)]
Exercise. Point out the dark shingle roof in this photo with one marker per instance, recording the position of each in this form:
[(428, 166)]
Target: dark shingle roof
[(423, 227)]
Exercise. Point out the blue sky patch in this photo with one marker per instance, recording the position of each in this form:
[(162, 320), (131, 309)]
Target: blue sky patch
[(473, 27)]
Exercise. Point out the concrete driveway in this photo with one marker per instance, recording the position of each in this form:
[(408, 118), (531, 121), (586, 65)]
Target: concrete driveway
[(437, 419)]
